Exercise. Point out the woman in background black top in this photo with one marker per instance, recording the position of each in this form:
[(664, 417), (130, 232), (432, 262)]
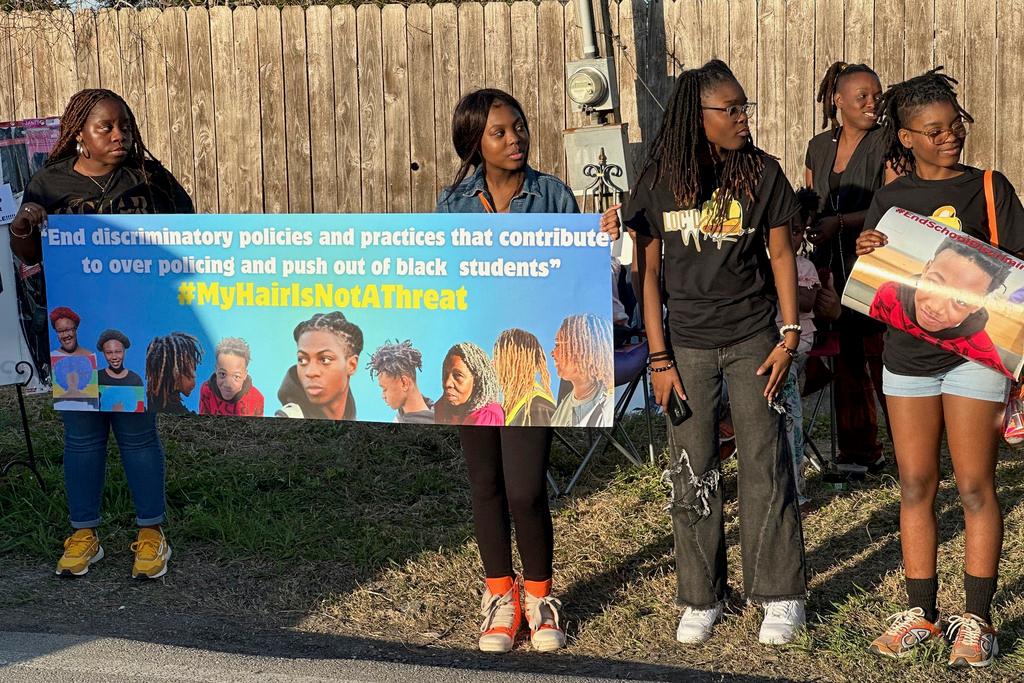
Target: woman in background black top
[(845, 166)]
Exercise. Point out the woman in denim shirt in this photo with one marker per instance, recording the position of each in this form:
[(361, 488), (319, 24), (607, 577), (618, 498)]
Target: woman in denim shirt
[(507, 466)]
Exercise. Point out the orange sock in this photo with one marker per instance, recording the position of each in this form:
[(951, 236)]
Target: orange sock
[(499, 586), (538, 589)]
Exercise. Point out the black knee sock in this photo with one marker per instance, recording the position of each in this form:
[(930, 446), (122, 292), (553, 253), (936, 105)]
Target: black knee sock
[(922, 593), (979, 595)]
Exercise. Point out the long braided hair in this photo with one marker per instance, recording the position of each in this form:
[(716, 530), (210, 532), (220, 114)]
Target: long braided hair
[(829, 86), (678, 151), (588, 344), (396, 359), (902, 100), (337, 324), (167, 360), (485, 381), (519, 360)]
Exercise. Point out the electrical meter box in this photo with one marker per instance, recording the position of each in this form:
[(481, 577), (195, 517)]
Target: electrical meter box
[(591, 85), (583, 147)]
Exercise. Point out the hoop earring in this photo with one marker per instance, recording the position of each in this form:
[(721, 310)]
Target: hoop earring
[(82, 151)]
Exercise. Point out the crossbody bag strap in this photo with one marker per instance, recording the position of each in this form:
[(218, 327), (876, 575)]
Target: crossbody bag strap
[(990, 202)]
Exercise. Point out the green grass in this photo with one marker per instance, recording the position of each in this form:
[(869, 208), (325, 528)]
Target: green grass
[(365, 530)]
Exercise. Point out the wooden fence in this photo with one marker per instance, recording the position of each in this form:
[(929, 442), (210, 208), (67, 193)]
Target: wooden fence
[(348, 108)]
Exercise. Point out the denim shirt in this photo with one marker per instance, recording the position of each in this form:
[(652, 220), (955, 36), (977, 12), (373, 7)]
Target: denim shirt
[(541, 193)]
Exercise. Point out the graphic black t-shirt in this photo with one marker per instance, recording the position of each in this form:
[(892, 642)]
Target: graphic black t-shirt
[(60, 189), (132, 379), (958, 203), (717, 279)]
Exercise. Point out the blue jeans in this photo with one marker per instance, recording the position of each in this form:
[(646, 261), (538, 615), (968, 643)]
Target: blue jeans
[(85, 460), (771, 537)]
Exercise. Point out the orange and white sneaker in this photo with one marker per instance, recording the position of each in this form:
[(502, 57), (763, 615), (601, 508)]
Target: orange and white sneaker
[(82, 549), (152, 552), (502, 617), (974, 642), (546, 634), (907, 630)]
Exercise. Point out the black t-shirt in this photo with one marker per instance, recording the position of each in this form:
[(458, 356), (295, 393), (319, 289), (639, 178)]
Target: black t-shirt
[(132, 379), (718, 280), (60, 189), (960, 203)]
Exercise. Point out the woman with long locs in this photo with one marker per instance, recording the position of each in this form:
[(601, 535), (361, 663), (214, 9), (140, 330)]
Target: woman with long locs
[(101, 165), (720, 209), (507, 465), (928, 388)]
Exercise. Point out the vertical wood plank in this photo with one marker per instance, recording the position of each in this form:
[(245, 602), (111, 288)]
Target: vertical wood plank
[(743, 48), (573, 51), (547, 131), (801, 86), (346, 109), (174, 36), (108, 40), (134, 92), (889, 53), (155, 65), (714, 30), (65, 68), (950, 19), (919, 37), (524, 58), (296, 102), (771, 78), (446, 87), (371, 109), (828, 26), (222, 43), (42, 64), (686, 47), (323, 146), (1009, 86), (272, 109), (498, 38), (859, 32), (86, 50), (247, 90), (6, 69), (422, 148), (21, 64), (396, 108), (471, 47), (629, 80), (204, 132), (978, 90)]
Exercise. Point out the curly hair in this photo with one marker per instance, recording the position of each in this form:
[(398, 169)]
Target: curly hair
[(64, 312), (485, 381), (397, 359), (167, 360), (902, 100), (236, 346), (519, 360), (677, 150), (829, 86), (112, 335), (588, 343), (337, 324)]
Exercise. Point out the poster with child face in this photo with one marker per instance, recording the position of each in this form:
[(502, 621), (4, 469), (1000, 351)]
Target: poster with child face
[(944, 287)]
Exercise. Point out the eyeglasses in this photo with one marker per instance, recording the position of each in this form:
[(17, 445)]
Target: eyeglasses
[(957, 130), (735, 110)]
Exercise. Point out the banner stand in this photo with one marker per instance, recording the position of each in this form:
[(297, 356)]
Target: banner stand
[(29, 460)]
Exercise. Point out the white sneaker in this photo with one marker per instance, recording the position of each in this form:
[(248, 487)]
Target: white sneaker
[(696, 624), (782, 619)]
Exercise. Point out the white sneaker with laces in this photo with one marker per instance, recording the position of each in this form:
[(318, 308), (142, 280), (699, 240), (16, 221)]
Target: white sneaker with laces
[(696, 624), (782, 619)]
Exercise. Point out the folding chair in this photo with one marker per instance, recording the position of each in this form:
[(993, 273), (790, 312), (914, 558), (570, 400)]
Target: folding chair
[(630, 372), (827, 351)]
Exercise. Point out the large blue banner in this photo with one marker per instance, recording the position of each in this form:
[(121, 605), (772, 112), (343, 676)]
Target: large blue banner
[(432, 318)]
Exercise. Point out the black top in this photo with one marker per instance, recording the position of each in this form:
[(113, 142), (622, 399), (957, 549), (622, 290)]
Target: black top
[(718, 280), (60, 189), (957, 202), (863, 175), (132, 379)]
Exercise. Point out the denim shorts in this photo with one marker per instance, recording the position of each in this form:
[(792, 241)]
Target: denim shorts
[(970, 380)]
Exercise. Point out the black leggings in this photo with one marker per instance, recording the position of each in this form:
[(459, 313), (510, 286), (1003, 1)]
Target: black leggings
[(507, 468)]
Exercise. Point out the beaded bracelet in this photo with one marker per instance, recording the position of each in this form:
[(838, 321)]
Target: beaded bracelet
[(791, 352), (670, 365), (790, 328)]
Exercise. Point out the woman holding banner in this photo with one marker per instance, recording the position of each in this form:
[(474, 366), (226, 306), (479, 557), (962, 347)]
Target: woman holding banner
[(845, 166), (928, 387), (101, 165), (507, 466), (711, 216)]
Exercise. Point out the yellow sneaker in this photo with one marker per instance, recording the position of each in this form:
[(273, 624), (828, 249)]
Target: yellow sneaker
[(152, 553), (81, 550)]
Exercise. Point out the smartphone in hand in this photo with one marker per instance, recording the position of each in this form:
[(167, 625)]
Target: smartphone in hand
[(678, 409)]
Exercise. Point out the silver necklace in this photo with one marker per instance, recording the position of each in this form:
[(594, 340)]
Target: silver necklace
[(104, 186)]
